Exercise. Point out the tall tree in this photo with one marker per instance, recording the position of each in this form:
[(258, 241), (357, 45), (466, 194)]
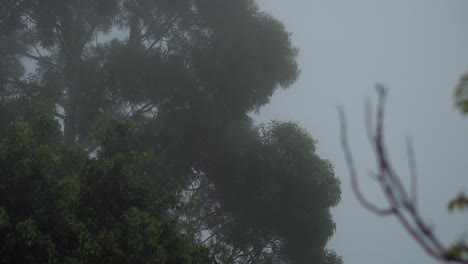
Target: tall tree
[(227, 52), (187, 73)]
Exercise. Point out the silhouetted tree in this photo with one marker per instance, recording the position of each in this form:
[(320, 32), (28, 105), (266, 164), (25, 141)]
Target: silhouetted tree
[(184, 75)]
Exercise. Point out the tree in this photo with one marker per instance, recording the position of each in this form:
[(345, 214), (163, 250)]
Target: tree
[(175, 53), (402, 201), (280, 225), (59, 205), (186, 73)]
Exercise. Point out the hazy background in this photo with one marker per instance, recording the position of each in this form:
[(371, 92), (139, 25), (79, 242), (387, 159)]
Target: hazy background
[(419, 49)]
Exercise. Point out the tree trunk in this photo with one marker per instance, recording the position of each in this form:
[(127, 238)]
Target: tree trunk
[(71, 110), (70, 124)]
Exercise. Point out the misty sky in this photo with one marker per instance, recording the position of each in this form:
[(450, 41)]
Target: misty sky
[(419, 50)]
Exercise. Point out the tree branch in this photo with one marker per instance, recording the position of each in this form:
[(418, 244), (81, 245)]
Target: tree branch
[(162, 34), (413, 171), (352, 170), (144, 109), (40, 59), (402, 205)]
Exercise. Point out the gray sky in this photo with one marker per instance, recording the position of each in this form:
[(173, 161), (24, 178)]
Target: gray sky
[(419, 49)]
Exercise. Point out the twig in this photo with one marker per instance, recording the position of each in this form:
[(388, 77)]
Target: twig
[(401, 204), (413, 171), (352, 170)]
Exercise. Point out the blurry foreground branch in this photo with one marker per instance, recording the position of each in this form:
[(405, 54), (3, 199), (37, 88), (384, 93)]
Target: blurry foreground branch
[(402, 202)]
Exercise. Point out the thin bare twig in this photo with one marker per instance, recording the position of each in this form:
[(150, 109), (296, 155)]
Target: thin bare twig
[(413, 171), (402, 205), (354, 179)]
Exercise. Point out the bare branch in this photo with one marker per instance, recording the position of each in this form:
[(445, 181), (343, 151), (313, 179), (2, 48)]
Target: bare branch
[(413, 171), (402, 205), (369, 121), (352, 170)]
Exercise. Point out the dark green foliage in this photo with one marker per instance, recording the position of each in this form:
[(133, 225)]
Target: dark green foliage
[(58, 205), (286, 191), (461, 95), (160, 115)]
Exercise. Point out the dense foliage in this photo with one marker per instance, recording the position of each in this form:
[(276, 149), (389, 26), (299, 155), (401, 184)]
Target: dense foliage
[(141, 148), (59, 205)]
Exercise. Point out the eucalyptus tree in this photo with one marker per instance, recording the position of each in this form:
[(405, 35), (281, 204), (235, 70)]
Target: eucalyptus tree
[(187, 73)]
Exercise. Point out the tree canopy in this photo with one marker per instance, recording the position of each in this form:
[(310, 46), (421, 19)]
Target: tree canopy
[(59, 205), (133, 127)]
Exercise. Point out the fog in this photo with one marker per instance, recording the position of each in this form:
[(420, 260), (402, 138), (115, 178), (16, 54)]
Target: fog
[(418, 50), (135, 131)]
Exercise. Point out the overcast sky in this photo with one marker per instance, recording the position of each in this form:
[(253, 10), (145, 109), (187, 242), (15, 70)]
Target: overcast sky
[(419, 50)]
